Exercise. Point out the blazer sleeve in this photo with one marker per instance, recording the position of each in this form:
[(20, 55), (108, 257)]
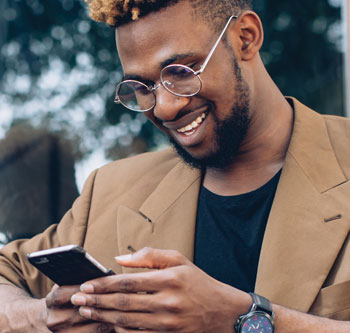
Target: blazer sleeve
[(15, 268)]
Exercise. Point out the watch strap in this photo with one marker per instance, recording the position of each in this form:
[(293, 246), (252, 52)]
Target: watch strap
[(261, 303), (261, 306)]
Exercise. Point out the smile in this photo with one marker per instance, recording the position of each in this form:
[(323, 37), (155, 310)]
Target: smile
[(189, 129)]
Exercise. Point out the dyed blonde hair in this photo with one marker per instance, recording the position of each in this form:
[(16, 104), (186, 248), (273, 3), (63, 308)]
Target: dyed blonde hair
[(119, 12)]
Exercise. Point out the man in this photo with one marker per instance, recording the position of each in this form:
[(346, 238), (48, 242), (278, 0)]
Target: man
[(193, 68)]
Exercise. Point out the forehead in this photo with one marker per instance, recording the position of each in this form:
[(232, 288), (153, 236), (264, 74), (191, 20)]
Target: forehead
[(144, 44)]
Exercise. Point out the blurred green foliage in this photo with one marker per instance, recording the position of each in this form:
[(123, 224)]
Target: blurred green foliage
[(303, 51), (58, 69)]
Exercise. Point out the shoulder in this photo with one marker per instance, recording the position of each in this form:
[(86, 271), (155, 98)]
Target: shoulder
[(323, 132), (338, 129), (149, 164), (133, 178), (337, 124)]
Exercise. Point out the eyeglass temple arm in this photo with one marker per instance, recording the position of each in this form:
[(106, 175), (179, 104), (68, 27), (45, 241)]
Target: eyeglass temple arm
[(215, 45)]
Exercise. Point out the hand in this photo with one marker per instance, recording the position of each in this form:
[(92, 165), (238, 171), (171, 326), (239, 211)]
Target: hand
[(62, 316), (177, 297)]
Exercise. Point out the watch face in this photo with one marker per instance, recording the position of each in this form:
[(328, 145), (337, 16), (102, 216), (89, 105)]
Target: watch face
[(257, 323)]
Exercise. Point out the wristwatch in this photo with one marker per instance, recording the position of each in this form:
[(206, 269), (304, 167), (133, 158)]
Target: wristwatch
[(259, 319)]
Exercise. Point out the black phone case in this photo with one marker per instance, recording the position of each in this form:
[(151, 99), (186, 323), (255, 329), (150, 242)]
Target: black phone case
[(68, 268)]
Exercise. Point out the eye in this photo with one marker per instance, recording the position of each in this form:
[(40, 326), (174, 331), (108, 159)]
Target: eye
[(177, 72), (141, 90), (192, 65)]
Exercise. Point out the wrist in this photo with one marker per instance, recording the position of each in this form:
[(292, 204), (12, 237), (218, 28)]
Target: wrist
[(260, 317), (235, 302), (36, 313), (24, 315)]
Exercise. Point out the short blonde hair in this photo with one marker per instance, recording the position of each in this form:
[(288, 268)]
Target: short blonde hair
[(119, 12)]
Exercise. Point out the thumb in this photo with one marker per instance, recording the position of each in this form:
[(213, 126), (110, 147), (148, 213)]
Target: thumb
[(152, 258)]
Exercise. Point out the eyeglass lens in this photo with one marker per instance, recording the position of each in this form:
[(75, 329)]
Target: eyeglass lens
[(135, 96), (178, 79)]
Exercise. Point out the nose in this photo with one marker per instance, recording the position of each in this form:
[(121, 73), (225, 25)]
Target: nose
[(168, 105)]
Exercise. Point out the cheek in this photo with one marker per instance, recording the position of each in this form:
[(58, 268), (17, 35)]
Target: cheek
[(220, 70), (149, 115), (219, 83), (220, 91)]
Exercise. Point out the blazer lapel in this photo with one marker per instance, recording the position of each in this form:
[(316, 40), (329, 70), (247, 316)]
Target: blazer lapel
[(309, 219), (166, 220)]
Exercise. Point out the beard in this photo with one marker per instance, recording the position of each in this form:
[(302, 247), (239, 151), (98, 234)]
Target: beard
[(228, 133)]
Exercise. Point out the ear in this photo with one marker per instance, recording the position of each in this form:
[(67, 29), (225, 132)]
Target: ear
[(250, 33)]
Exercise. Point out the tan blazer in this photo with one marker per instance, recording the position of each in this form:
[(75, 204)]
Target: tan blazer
[(151, 200)]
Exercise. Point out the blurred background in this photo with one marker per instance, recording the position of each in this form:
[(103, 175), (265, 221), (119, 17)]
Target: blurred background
[(58, 72)]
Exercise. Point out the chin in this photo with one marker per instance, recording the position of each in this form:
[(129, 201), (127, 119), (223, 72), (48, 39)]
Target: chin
[(193, 159)]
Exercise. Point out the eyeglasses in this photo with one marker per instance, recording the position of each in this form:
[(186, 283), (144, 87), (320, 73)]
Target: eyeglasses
[(180, 80)]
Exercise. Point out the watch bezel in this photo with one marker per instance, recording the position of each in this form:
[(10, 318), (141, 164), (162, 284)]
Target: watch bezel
[(261, 306), (244, 318)]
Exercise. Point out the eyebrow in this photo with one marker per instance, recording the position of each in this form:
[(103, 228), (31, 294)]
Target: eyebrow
[(132, 77), (173, 59)]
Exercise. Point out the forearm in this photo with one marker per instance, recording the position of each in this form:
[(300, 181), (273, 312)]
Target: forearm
[(21, 313), (291, 321)]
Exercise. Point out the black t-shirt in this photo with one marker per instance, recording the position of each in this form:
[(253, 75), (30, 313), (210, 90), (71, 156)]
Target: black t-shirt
[(229, 234)]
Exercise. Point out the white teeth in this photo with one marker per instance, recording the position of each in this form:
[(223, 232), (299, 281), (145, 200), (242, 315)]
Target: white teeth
[(194, 124), (191, 126), (199, 120)]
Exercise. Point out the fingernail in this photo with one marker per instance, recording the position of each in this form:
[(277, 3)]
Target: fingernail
[(124, 257), (87, 288), (78, 300), (85, 312)]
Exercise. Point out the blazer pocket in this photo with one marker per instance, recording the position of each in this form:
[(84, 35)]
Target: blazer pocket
[(333, 302)]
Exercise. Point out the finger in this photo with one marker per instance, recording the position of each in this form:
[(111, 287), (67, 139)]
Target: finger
[(60, 296), (64, 318), (117, 301), (132, 320), (89, 328), (152, 258), (131, 330), (149, 282)]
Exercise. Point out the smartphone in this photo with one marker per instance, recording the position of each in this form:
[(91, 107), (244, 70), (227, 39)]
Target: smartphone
[(68, 265)]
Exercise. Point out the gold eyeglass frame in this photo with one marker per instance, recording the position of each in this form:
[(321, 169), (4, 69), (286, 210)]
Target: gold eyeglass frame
[(153, 87)]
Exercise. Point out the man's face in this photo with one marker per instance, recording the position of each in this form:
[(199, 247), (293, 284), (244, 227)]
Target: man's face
[(208, 128)]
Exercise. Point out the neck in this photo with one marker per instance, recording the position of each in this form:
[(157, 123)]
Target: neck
[(263, 151)]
